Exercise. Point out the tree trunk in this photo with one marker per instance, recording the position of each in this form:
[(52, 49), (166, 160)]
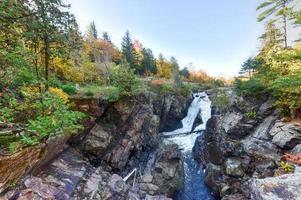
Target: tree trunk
[(285, 30), (46, 57)]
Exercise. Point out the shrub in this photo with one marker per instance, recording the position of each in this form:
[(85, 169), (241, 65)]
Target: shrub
[(251, 87), (69, 89), (186, 89), (59, 93), (220, 100), (111, 94), (251, 114), (89, 93), (285, 166), (126, 81)]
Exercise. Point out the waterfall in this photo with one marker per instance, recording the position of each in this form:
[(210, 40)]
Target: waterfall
[(201, 105), (194, 188)]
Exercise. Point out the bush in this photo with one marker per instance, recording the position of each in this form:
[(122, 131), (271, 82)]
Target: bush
[(220, 100), (89, 93), (69, 89), (124, 78), (251, 114), (251, 87), (59, 93), (186, 89), (51, 116)]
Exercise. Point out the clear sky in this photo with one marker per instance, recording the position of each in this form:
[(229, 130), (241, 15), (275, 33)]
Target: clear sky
[(215, 35)]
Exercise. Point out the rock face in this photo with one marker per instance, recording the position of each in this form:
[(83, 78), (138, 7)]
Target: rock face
[(167, 174), (286, 135), (118, 137), (237, 147), (129, 128), (287, 186)]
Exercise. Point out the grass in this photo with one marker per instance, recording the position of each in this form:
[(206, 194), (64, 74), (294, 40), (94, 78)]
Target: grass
[(109, 93)]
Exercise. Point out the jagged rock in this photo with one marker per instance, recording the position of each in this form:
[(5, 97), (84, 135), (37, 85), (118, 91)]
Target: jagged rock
[(167, 173), (287, 186), (234, 167), (262, 131), (97, 140), (266, 108), (286, 135), (296, 149), (212, 179), (260, 149), (230, 120)]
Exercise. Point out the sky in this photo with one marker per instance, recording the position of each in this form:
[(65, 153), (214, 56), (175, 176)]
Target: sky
[(213, 35)]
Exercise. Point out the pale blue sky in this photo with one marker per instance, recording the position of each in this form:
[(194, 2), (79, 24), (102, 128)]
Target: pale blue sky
[(215, 35)]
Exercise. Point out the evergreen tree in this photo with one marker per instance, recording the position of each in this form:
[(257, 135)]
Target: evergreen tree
[(249, 66), (46, 27), (148, 62), (106, 37), (175, 68), (278, 8), (92, 31), (185, 72), (128, 52)]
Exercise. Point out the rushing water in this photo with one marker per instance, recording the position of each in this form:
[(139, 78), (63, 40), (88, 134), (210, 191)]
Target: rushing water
[(194, 176)]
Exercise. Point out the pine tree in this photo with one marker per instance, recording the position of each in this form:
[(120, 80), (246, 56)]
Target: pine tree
[(92, 31), (278, 8), (148, 61), (128, 52)]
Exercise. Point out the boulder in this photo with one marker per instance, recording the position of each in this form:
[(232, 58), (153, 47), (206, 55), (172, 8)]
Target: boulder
[(234, 167), (260, 149), (166, 175), (97, 141), (296, 149), (213, 176), (286, 135), (287, 186)]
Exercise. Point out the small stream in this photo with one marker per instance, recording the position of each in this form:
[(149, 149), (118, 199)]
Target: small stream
[(194, 188)]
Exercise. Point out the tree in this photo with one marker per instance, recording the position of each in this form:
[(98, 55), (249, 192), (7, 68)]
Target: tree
[(185, 72), (128, 52), (148, 62), (48, 22), (249, 66), (106, 37), (92, 31), (278, 8), (175, 70)]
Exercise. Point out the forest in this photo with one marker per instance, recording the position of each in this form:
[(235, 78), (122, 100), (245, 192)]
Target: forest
[(82, 117), (44, 59)]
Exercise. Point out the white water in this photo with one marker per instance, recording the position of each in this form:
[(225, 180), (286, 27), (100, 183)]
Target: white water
[(200, 105)]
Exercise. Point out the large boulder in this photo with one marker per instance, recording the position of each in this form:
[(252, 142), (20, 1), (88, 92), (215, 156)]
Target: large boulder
[(166, 175), (286, 135), (234, 167), (213, 176), (97, 140), (287, 186)]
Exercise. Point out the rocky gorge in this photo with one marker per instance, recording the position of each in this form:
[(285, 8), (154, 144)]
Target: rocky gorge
[(121, 154), (118, 138), (242, 149)]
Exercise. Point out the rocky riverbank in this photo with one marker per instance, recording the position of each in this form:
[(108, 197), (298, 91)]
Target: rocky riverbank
[(242, 147), (118, 138)]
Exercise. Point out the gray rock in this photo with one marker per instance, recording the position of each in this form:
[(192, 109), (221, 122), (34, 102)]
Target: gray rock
[(260, 149), (286, 135), (296, 149), (262, 131), (147, 178), (234, 167), (287, 186), (266, 108), (97, 140), (230, 120), (212, 179)]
